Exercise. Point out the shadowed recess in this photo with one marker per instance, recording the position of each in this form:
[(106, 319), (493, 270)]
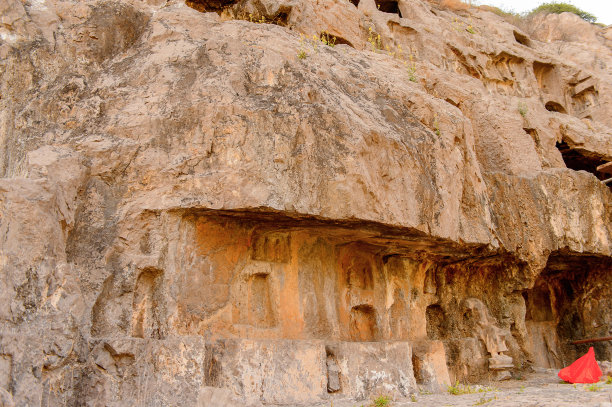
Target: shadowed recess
[(580, 160), (210, 5), (388, 6)]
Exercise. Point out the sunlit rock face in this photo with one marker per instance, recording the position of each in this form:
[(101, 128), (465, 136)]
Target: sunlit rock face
[(202, 203)]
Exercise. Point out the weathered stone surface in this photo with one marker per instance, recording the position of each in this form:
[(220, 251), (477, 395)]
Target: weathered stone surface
[(429, 364), (197, 208), (375, 368)]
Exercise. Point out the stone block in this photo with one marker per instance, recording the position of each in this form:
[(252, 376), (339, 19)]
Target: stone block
[(429, 362), (270, 371), (368, 368)]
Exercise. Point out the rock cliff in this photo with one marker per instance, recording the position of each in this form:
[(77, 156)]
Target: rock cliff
[(252, 202)]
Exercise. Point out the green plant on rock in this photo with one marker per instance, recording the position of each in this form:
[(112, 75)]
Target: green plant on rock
[(436, 126), (458, 25), (484, 400), (374, 40), (381, 401), (558, 8), (301, 52), (609, 380), (411, 68), (458, 389), (523, 109), (258, 20), (327, 39), (593, 387), (409, 64)]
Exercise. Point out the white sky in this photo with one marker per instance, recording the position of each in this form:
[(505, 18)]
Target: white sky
[(602, 9)]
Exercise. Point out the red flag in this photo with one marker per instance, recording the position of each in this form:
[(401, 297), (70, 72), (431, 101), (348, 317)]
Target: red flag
[(584, 370)]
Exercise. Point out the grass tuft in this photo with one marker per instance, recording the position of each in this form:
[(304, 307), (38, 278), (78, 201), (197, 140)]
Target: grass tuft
[(484, 400), (593, 387), (459, 389), (522, 109), (381, 401)]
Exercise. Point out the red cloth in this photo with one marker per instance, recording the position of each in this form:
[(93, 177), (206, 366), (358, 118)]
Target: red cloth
[(584, 370)]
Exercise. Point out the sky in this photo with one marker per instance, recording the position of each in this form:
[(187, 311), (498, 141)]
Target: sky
[(602, 9)]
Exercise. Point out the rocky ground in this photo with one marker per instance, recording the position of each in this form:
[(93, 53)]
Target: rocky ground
[(540, 389)]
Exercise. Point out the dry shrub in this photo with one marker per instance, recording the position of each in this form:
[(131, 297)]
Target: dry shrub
[(492, 9), (454, 5), (510, 16)]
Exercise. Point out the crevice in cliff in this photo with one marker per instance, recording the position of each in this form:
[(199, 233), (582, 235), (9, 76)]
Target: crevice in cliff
[(522, 39), (234, 10), (388, 6), (581, 160), (216, 6), (553, 106), (333, 39), (469, 68)]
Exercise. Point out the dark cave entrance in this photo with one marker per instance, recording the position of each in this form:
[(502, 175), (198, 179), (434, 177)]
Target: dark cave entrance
[(552, 106), (579, 160), (388, 6), (570, 300), (210, 5)]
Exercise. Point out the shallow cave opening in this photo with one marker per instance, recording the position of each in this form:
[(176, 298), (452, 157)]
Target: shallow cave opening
[(364, 325), (546, 75), (552, 106), (388, 6), (522, 39), (582, 161), (333, 39), (436, 322), (360, 275), (574, 293), (355, 2), (210, 5), (538, 305), (281, 18)]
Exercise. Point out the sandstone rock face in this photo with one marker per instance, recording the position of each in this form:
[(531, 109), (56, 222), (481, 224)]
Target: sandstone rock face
[(202, 204)]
